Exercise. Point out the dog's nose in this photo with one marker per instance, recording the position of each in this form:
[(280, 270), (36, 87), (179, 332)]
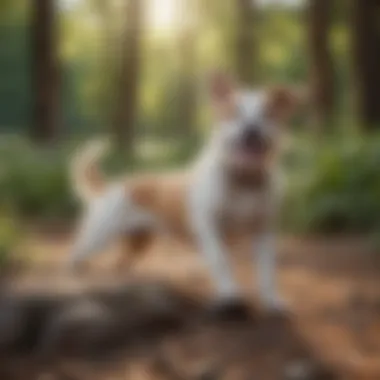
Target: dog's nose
[(253, 138)]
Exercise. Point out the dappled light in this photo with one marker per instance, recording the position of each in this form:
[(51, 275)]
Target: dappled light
[(189, 189)]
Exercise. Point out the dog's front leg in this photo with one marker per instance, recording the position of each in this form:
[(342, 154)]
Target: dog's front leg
[(265, 251), (211, 246)]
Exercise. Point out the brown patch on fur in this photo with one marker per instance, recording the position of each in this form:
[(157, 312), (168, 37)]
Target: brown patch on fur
[(222, 86), (282, 102), (225, 110), (163, 195), (95, 179), (133, 246), (223, 89), (248, 179)]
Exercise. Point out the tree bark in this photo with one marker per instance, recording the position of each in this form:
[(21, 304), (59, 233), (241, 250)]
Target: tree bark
[(365, 21), (188, 68), (321, 66), (45, 72), (128, 79), (246, 43), (104, 11)]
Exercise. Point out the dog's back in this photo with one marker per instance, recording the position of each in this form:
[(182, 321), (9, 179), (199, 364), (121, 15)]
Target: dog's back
[(165, 196)]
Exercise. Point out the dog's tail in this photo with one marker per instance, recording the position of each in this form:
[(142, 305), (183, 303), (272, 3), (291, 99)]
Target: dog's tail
[(88, 181)]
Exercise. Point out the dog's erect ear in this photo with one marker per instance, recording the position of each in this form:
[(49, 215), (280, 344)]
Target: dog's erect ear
[(284, 101), (222, 87)]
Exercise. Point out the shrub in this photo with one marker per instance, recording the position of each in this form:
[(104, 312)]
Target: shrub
[(35, 181), (333, 183), (9, 237), (335, 186)]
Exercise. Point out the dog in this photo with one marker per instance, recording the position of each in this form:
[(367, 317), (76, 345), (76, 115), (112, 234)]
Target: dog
[(234, 186)]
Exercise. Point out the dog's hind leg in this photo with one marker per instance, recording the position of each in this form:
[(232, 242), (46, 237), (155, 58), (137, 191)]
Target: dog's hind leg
[(102, 223), (133, 246)]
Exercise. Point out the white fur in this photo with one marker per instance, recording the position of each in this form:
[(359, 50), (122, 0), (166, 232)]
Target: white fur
[(205, 197), (208, 196), (87, 156), (105, 218), (113, 212)]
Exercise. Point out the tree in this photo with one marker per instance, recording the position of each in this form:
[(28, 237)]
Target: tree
[(366, 59), (106, 12), (45, 71), (188, 67), (321, 66), (128, 78), (245, 43)]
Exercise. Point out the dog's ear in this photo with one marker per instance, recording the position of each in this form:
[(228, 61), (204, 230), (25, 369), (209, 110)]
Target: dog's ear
[(222, 87), (284, 101)]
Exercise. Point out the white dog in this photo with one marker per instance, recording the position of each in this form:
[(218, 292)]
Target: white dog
[(234, 187)]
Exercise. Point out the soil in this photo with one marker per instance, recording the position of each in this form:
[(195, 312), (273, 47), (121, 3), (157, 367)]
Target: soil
[(332, 327)]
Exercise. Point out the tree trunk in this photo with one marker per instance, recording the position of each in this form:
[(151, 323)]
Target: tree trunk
[(366, 58), (128, 79), (105, 12), (321, 66), (188, 69), (245, 43), (45, 72)]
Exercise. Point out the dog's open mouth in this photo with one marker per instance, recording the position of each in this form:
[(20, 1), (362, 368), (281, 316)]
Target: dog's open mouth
[(251, 152)]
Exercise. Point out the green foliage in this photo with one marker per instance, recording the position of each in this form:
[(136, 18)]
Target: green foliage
[(35, 183), (9, 236), (15, 84), (90, 49), (333, 182), (334, 185)]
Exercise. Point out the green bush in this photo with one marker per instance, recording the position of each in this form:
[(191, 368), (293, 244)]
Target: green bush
[(9, 237), (35, 181), (334, 185)]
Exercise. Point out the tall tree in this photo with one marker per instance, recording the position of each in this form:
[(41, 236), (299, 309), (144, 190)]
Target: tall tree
[(128, 79), (321, 65), (45, 71), (105, 11), (187, 48), (246, 42), (366, 58)]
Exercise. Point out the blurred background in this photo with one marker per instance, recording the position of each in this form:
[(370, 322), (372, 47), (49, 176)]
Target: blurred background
[(136, 70)]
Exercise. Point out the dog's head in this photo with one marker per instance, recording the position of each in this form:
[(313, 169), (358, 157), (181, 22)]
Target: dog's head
[(249, 124)]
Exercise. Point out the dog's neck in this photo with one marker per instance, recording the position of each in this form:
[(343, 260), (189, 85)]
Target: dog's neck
[(253, 180), (211, 161)]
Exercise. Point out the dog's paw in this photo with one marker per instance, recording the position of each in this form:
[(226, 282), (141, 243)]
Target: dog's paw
[(277, 305), (75, 268), (229, 309)]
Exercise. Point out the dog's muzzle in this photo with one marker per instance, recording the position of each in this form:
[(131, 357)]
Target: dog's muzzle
[(253, 141)]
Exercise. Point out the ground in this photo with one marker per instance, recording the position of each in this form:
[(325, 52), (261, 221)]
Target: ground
[(332, 286)]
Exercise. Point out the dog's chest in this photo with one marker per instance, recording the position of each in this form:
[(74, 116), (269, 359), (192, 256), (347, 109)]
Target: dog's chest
[(244, 209)]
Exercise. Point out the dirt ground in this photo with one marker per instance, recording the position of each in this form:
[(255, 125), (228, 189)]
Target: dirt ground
[(332, 286)]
